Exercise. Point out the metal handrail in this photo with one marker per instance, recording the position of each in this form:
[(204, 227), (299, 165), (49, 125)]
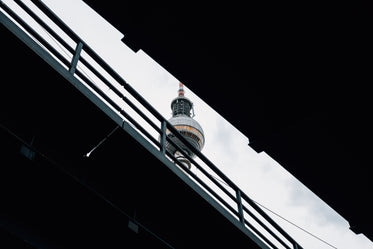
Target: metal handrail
[(164, 123)]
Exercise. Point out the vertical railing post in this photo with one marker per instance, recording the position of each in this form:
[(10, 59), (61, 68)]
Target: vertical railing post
[(239, 206), (163, 136), (76, 56)]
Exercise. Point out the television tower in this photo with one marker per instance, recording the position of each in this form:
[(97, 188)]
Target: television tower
[(182, 120)]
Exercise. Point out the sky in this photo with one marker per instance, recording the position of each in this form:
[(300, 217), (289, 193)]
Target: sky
[(257, 174)]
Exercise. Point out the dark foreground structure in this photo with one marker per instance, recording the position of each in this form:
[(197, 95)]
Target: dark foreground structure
[(78, 172), (303, 74)]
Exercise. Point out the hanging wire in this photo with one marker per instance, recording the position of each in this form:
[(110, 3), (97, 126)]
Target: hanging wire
[(103, 140), (304, 230)]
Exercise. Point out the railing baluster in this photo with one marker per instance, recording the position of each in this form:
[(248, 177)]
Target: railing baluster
[(163, 136), (74, 61), (239, 206)]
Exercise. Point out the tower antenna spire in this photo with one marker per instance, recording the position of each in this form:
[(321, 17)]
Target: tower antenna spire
[(181, 89)]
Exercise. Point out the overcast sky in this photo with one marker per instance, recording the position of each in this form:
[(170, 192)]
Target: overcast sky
[(258, 175)]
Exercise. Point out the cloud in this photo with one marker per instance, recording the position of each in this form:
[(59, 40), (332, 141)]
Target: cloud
[(302, 197)]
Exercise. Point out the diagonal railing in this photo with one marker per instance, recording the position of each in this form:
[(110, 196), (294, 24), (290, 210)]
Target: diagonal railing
[(265, 225)]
